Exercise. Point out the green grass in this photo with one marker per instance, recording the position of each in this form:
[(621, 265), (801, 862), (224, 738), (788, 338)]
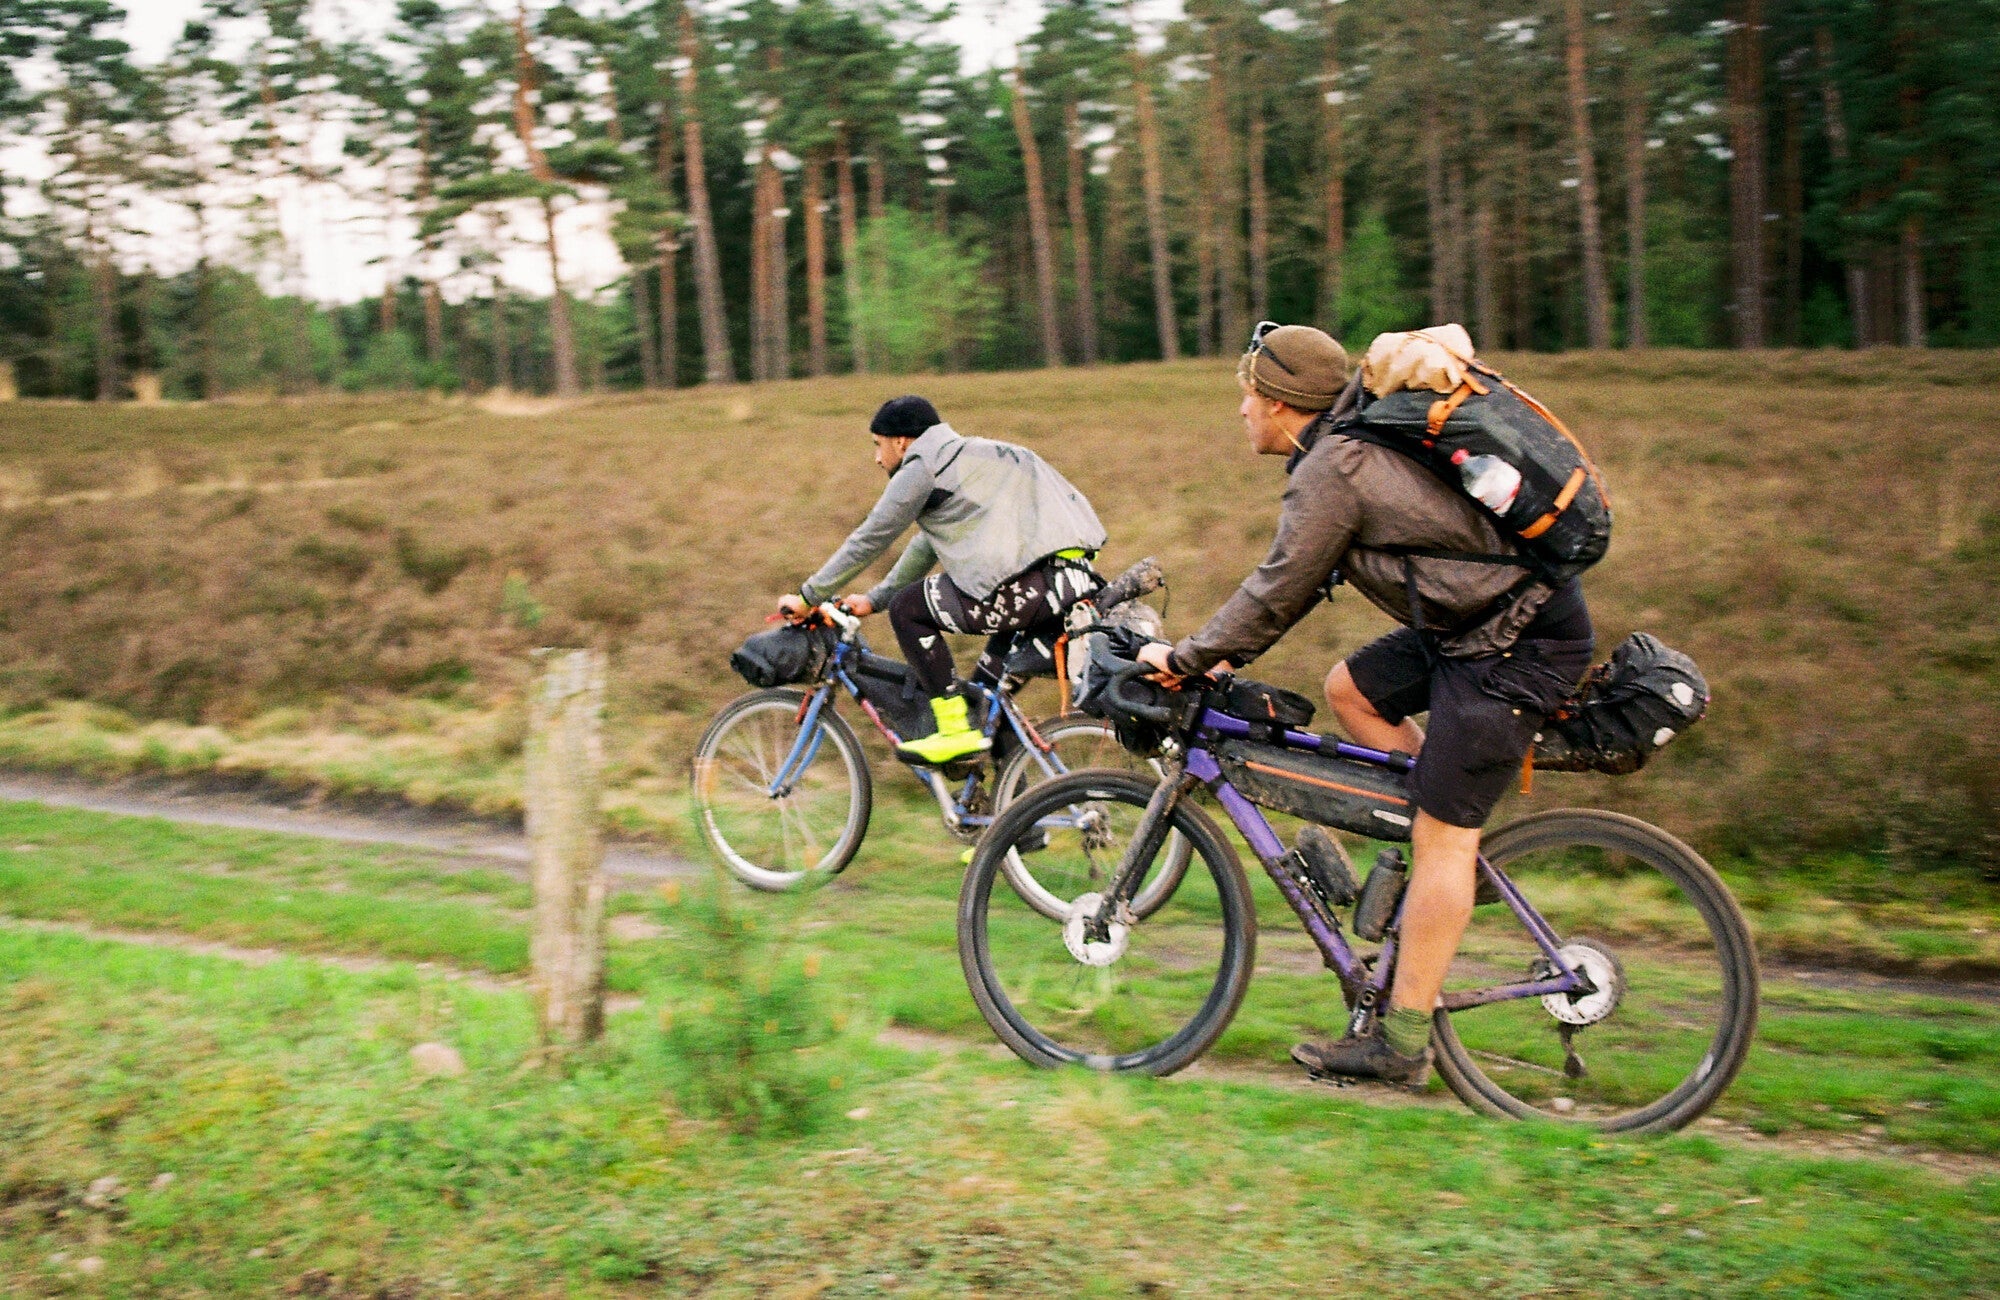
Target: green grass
[(307, 1158), (1895, 1067)]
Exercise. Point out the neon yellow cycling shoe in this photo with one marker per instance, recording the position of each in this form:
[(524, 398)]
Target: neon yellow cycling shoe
[(954, 738)]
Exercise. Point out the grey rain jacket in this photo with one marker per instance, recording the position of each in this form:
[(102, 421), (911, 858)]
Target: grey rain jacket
[(984, 510), (1346, 501)]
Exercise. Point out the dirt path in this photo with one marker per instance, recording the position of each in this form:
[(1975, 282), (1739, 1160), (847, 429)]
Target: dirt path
[(408, 827)]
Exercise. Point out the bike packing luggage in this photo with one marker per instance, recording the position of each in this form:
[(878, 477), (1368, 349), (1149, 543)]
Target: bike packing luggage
[(1328, 791), (1257, 702), (1624, 711), (892, 688), (785, 655)]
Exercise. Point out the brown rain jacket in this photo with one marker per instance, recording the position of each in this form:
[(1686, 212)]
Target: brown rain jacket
[(1346, 501)]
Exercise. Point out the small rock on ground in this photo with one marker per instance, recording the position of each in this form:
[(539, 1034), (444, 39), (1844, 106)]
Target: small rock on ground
[(437, 1059)]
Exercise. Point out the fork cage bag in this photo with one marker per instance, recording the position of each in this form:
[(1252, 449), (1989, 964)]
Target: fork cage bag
[(1320, 788)]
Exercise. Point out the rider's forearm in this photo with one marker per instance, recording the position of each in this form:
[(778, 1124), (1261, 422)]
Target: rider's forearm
[(902, 501), (918, 559)]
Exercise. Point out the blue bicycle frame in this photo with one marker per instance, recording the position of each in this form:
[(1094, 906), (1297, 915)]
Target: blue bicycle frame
[(956, 808)]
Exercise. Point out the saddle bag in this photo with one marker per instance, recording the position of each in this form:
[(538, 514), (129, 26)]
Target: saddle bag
[(1625, 711), (785, 655), (1320, 788), (892, 688)]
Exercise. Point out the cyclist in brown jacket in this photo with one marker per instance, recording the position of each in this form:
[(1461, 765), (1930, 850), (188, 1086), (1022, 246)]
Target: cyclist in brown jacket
[(1486, 653)]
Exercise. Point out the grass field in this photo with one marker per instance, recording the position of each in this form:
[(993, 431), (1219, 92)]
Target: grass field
[(265, 1131), (340, 593)]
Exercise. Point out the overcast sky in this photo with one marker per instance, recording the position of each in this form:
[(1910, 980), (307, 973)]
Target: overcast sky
[(347, 244)]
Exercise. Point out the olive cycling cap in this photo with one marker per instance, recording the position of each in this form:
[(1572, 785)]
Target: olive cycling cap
[(904, 417), (1295, 364)]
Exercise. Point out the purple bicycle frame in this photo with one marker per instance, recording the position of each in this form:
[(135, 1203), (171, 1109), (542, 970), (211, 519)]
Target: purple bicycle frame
[(1333, 948)]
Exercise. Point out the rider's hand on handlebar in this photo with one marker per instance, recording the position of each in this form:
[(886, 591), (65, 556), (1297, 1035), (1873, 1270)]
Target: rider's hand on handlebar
[(859, 606), (793, 608), (1154, 656)]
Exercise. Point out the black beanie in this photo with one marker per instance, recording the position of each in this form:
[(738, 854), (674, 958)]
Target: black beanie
[(904, 417)]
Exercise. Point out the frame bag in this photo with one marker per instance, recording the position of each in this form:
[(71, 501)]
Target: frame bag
[(1625, 711)]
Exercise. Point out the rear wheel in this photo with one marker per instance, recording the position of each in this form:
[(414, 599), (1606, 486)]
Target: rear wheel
[(1667, 948), (1150, 996), (1080, 741), (806, 833)]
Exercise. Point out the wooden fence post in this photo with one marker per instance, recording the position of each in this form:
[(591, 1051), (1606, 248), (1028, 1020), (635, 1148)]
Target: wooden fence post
[(565, 760)]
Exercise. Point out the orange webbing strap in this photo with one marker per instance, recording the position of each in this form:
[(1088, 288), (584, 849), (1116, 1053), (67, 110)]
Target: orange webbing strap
[(1528, 771), (1563, 429), (1442, 408), (1563, 498), (1062, 673)]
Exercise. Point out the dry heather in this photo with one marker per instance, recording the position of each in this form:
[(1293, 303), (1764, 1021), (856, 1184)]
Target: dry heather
[(1822, 533)]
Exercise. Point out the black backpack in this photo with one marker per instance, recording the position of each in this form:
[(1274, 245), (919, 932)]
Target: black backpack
[(1559, 517)]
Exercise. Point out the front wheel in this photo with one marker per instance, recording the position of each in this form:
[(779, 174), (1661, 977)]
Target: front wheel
[(1079, 741), (1148, 996), (1664, 944), (804, 833)]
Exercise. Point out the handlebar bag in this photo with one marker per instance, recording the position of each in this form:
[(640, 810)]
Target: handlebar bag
[(1258, 702), (784, 655), (1625, 711)]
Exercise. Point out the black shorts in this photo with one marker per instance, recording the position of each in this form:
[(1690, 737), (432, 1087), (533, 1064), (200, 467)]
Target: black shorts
[(1484, 711)]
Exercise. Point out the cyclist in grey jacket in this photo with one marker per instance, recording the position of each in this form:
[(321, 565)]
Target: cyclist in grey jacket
[(1012, 537)]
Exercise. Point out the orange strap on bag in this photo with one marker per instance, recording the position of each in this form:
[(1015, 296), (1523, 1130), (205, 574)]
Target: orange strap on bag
[(1062, 674)]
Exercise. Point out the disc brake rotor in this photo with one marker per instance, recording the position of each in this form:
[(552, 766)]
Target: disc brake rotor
[(1602, 968), (1093, 952)]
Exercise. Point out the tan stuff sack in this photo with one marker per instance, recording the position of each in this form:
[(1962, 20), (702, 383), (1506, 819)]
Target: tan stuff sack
[(1434, 359)]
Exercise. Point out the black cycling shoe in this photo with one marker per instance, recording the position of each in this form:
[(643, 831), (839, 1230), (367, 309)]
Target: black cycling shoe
[(1366, 1057)]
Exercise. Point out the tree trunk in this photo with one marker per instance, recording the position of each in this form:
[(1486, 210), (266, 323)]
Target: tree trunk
[(562, 335), (564, 763), (503, 339), (1227, 209), (1596, 287), (1636, 333), (1156, 211), (718, 368), (815, 203), (104, 302), (1079, 239), (1910, 250), (760, 269), (433, 323), (1260, 215), (385, 312), (1837, 144), (1435, 215), (778, 317), (1791, 193), (1332, 99), (642, 328), (850, 249), (1457, 236), (670, 314), (1746, 172), (1485, 309), (1523, 251), (1039, 238)]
